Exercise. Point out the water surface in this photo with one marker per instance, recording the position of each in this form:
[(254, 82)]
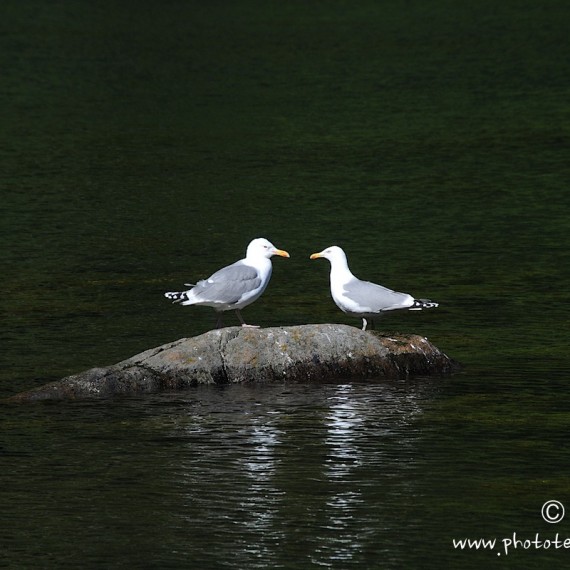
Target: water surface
[(143, 146)]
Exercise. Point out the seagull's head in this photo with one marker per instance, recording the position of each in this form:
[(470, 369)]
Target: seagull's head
[(331, 253), (261, 247)]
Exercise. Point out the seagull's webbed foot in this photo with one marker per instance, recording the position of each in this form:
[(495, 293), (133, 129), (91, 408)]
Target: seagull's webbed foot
[(243, 323)]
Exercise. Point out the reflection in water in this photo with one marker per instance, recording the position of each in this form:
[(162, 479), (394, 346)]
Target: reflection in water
[(239, 477), (261, 500), (369, 441), (344, 426), (312, 470), (256, 475)]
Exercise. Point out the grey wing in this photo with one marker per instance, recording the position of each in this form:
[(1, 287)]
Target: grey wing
[(228, 285), (375, 297)]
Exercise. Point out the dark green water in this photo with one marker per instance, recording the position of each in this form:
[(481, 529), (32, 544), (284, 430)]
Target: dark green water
[(142, 145)]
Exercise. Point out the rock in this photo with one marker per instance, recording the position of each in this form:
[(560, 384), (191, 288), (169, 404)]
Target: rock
[(308, 353)]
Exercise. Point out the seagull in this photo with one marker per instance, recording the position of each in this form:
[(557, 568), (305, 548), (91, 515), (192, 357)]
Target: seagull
[(363, 298), (235, 286)]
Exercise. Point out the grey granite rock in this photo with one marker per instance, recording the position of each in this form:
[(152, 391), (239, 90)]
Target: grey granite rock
[(308, 353)]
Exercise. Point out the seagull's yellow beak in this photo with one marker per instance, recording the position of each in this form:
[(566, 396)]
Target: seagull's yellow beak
[(281, 252), (315, 256)]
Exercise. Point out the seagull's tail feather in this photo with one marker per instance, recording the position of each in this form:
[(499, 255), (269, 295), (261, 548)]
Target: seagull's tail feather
[(177, 296), (420, 304)]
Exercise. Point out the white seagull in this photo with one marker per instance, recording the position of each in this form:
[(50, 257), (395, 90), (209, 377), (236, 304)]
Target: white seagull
[(235, 286), (363, 298)]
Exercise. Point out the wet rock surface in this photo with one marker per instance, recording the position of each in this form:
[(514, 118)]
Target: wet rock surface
[(307, 353)]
